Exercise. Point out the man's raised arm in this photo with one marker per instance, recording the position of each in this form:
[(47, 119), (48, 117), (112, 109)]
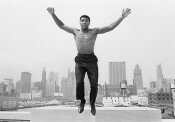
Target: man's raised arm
[(59, 22), (113, 25)]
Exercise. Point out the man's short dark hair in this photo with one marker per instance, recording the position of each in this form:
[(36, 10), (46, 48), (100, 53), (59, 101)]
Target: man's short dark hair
[(85, 16)]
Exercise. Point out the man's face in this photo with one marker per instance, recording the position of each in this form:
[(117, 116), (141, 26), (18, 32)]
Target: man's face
[(84, 23)]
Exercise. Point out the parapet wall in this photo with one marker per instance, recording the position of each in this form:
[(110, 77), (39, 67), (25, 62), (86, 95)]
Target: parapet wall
[(104, 114)]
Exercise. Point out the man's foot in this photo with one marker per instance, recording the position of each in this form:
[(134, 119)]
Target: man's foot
[(81, 108), (93, 110)]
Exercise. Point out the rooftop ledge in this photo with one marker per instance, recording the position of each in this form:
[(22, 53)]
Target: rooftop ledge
[(103, 114)]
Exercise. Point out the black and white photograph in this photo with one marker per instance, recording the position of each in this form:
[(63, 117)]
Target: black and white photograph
[(87, 60)]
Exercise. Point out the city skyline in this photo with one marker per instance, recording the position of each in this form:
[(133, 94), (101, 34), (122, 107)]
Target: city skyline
[(44, 72), (31, 40)]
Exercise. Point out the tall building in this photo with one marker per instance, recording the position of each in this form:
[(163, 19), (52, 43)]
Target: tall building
[(159, 72), (26, 82), (43, 80), (117, 73), (55, 77), (138, 81), (51, 84), (160, 79)]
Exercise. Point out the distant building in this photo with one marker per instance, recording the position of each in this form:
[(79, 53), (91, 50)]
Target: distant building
[(139, 100), (50, 85), (160, 78), (39, 85), (117, 101), (160, 98), (167, 84), (26, 82), (142, 92), (10, 84), (112, 90), (72, 76), (3, 87), (18, 87), (152, 85), (36, 94), (163, 101), (100, 89), (159, 72), (117, 73), (43, 83), (138, 81), (55, 77), (25, 96), (131, 90), (67, 88), (8, 103)]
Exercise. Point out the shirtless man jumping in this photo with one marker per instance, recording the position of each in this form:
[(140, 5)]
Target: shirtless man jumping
[(86, 61)]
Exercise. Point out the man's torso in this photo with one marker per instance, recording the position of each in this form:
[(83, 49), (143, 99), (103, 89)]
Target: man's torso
[(85, 42)]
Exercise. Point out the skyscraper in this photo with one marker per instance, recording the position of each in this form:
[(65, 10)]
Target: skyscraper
[(160, 78), (43, 82), (138, 81), (159, 72), (51, 84), (26, 82), (117, 73)]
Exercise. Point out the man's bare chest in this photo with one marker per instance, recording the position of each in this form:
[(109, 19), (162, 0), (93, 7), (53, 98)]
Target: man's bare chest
[(85, 37)]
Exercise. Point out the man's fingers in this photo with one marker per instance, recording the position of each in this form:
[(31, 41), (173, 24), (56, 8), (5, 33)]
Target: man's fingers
[(128, 10), (123, 10)]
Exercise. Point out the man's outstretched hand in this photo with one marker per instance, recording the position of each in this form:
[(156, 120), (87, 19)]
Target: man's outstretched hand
[(126, 12), (50, 10)]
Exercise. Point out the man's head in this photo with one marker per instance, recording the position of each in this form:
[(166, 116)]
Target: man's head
[(84, 21)]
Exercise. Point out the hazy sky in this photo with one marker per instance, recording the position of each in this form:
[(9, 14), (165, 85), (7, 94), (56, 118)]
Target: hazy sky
[(30, 40)]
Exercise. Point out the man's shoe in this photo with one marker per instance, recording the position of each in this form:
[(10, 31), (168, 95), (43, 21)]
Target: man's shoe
[(93, 110), (81, 108)]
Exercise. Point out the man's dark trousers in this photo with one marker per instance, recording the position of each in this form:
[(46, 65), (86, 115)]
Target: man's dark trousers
[(86, 63)]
